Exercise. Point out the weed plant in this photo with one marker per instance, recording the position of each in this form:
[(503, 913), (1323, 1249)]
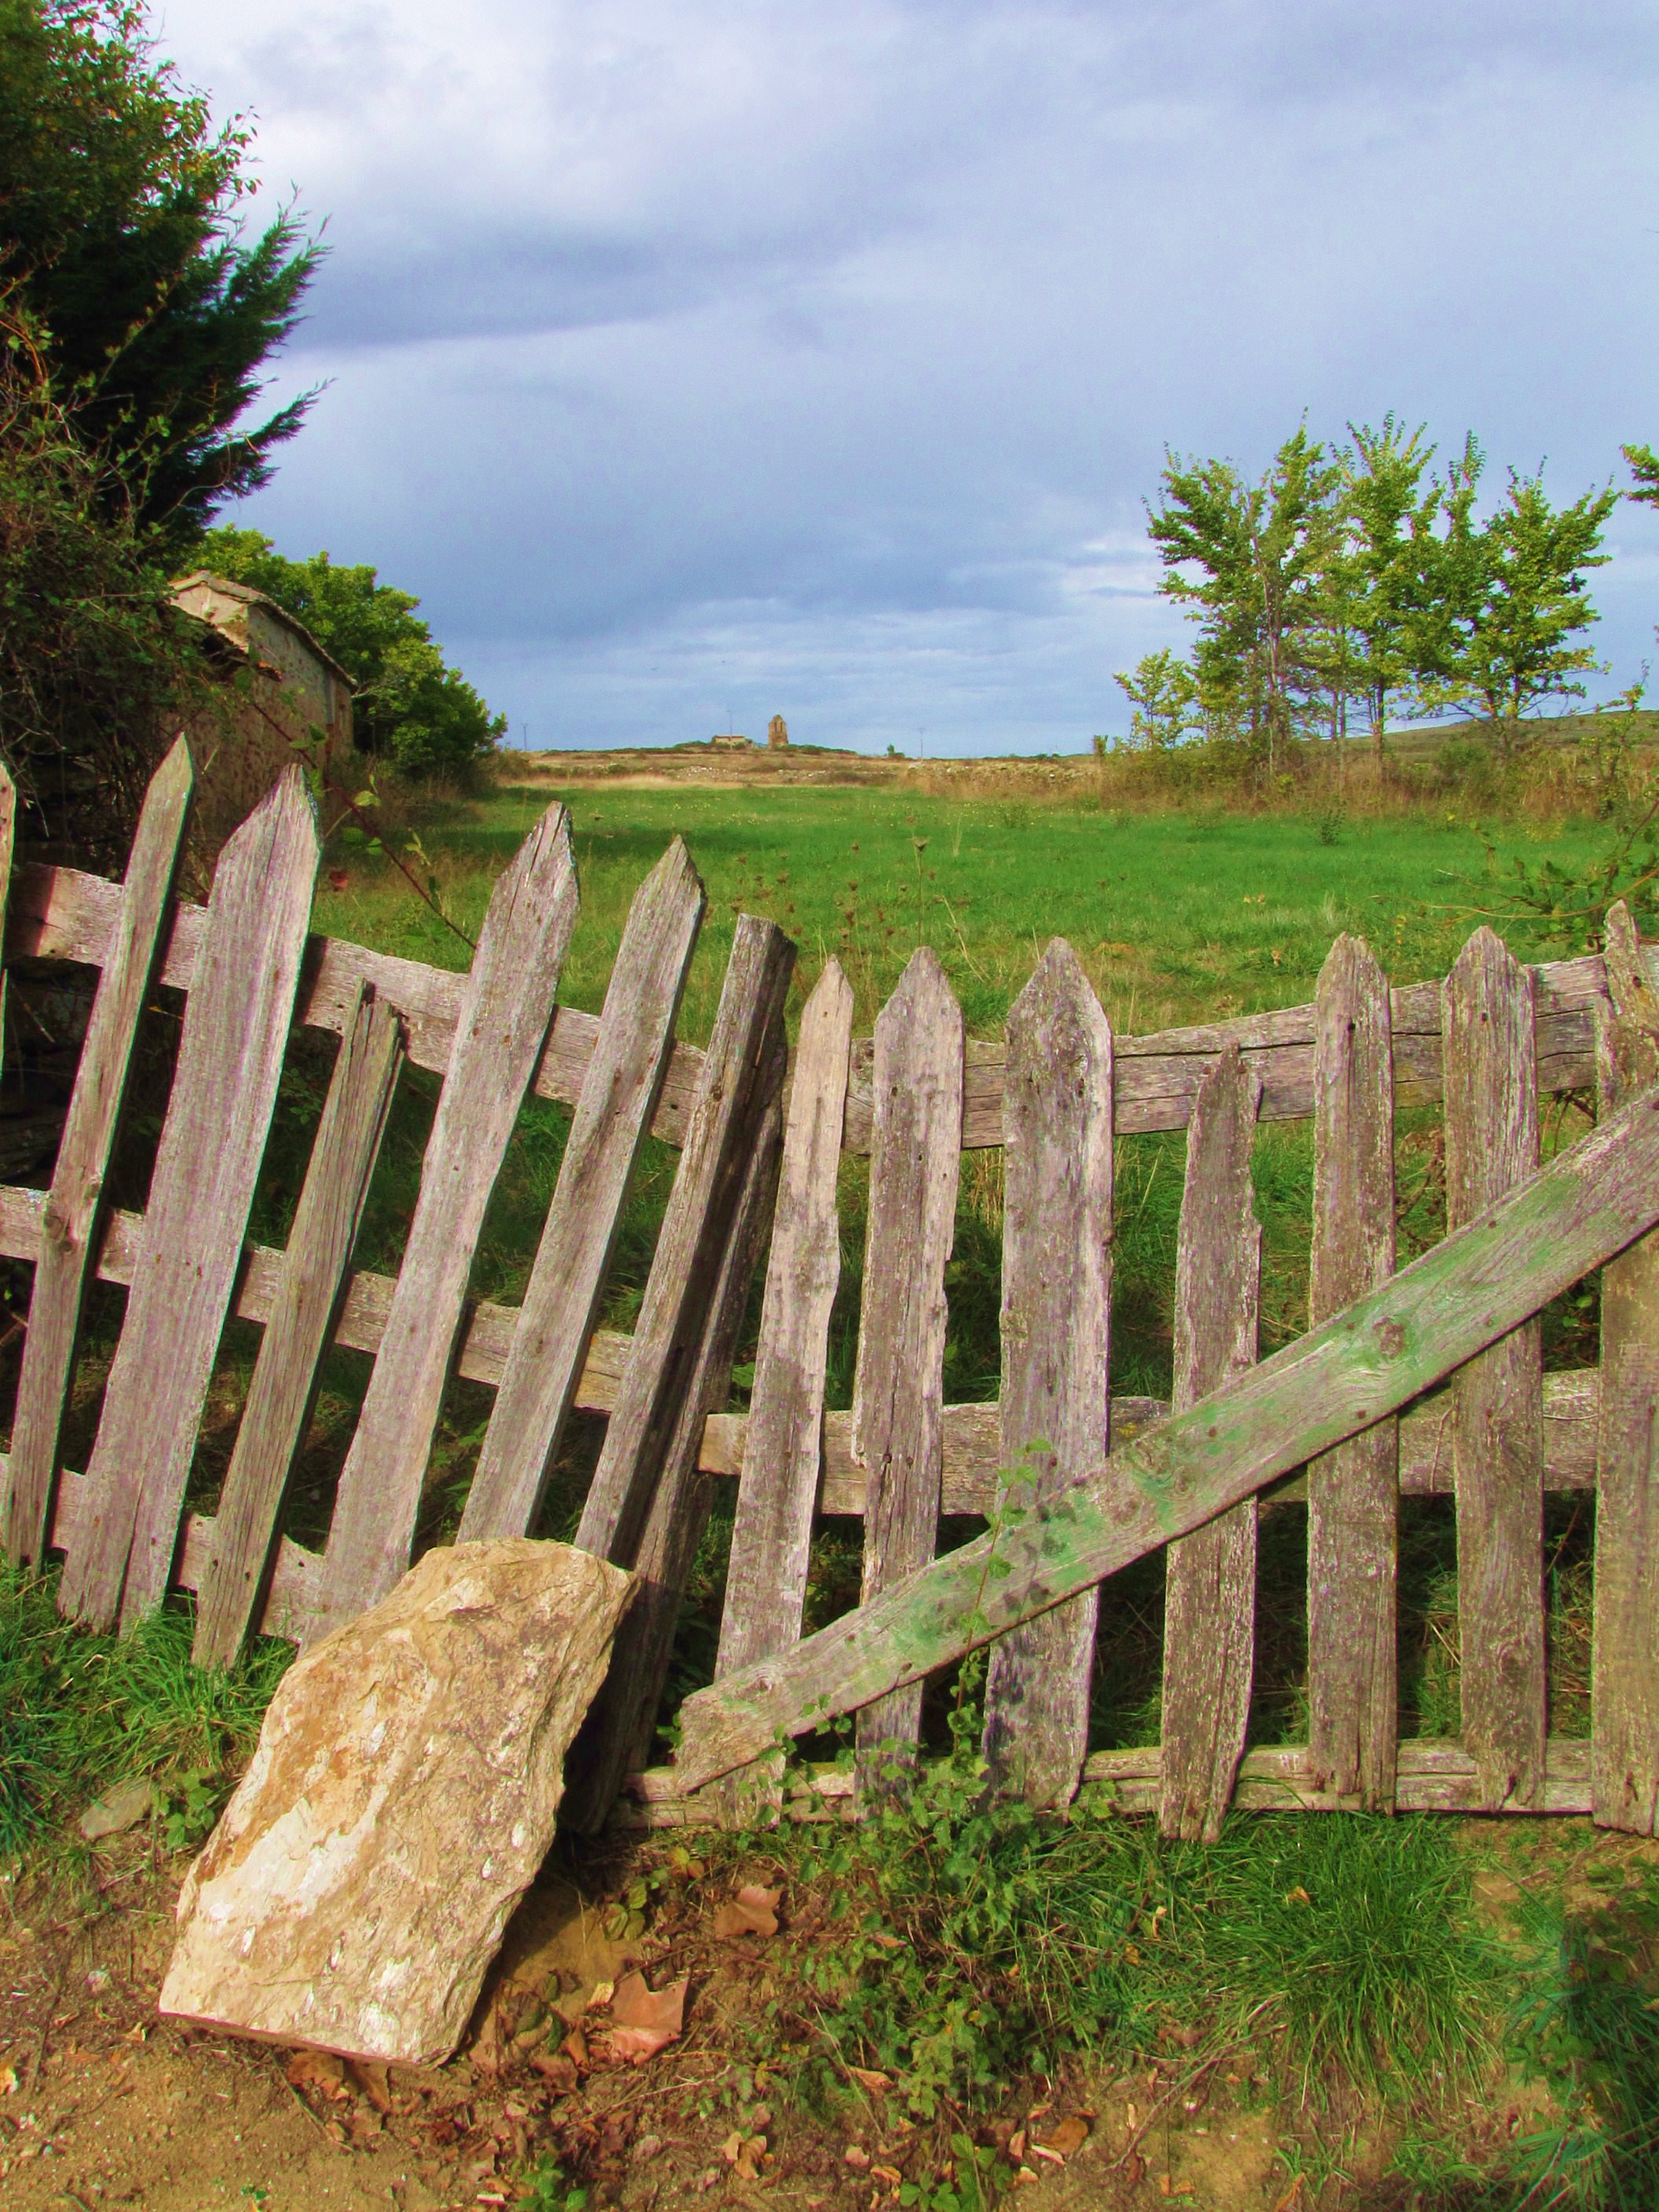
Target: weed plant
[(968, 1943)]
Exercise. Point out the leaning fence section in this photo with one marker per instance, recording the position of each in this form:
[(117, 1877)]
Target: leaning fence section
[(761, 1136), (1486, 1043)]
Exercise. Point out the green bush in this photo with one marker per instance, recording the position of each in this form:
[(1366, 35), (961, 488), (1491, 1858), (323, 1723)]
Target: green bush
[(410, 708)]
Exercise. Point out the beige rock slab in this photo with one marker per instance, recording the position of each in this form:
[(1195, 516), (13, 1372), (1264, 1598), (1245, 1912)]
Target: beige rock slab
[(402, 1797)]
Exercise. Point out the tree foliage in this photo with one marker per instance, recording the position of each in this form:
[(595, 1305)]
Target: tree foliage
[(122, 259), (1359, 574), (95, 663), (1164, 697), (408, 707)]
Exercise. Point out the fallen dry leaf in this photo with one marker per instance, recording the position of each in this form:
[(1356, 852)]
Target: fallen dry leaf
[(7, 2081), (1065, 2136), (600, 1994), (574, 2047), (888, 1942), (556, 2070), (647, 2019), (319, 2070), (858, 2159), (1017, 2145), (745, 2154), (752, 1912), (371, 2078), (888, 2173), (868, 2078)]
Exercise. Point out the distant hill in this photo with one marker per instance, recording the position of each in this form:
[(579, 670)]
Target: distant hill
[(1426, 739)]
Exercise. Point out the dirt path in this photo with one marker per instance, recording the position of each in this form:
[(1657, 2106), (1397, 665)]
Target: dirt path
[(103, 2104)]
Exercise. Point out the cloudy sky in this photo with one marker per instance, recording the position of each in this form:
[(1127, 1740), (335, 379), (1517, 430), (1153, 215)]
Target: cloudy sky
[(698, 360)]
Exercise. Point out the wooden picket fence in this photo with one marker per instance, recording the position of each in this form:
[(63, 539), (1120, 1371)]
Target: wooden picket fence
[(1076, 1484)]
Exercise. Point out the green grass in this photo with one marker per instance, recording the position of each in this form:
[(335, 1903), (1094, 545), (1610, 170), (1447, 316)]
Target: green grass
[(957, 1945), (80, 1713)]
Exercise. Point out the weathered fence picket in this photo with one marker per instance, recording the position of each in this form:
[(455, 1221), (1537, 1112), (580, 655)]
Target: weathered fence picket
[(647, 1501), (613, 1114), (778, 1487), (230, 1060), (1353, 1492), (1209, 1605), (1498, 1409), (307, 1296), (1625, 1649), (503, 1018), (898, 1386), (1056, 1327), (69, 1219)]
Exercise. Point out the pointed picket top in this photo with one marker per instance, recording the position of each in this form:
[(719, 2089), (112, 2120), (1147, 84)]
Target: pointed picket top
[(69, 1220)]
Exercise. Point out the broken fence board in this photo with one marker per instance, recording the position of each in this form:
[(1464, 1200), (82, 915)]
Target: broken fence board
[(1056, 1310), (778, 1487), (213, 1139), (1625, 1652), (622, 1725), (280, 1395), (613, 1114), (61, 913), (1364, 1364), (898, 1387), (1353, 1492), (505, 1007), (1498, 1413), (69, 1219), (695, 1231), (1209, 1604)]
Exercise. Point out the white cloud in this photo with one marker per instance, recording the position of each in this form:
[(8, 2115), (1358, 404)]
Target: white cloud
[(840, 344)]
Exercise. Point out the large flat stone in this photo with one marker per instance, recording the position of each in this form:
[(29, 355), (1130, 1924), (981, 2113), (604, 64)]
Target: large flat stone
[(403, 1796)]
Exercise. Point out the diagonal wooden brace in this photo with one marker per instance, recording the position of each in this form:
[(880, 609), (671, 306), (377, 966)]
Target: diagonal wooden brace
[(1362, 1364)]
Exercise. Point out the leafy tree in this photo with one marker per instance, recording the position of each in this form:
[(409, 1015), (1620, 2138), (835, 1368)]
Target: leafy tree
[(1389, 554), (1164, 696), (1247, 561), (95, 665), (122, 263), (1644, 467), (1512, 605), (408, 707)]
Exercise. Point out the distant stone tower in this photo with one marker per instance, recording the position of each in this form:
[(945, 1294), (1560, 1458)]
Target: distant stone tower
[(777, 731)]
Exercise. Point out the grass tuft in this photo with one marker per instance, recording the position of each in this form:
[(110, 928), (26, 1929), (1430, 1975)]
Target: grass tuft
[(80, 1713)]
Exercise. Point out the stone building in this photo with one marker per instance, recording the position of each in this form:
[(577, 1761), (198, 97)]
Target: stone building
[(294, 696)]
